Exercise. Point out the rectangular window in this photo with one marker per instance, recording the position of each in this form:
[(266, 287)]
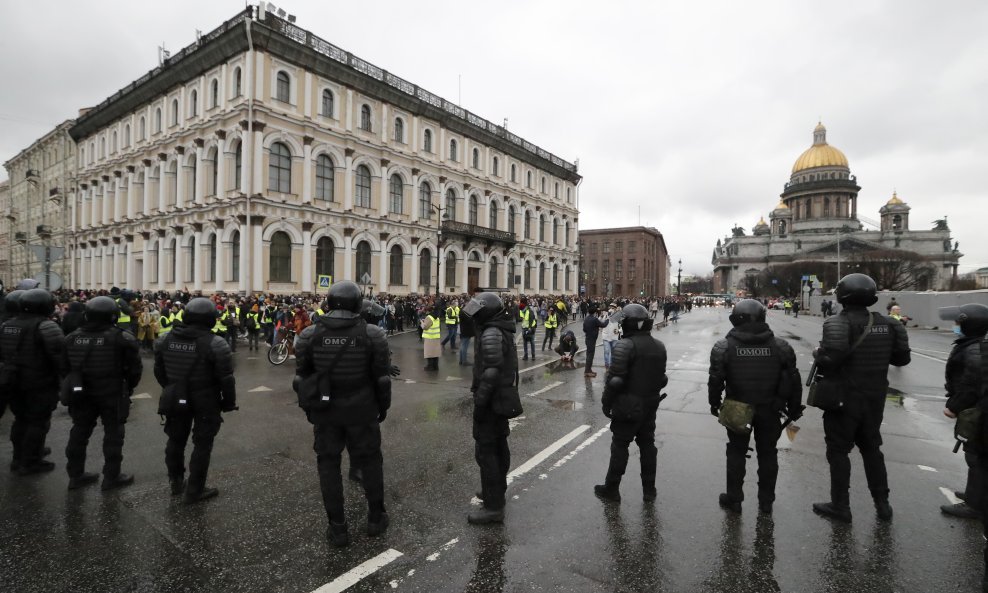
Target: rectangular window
[(618, 246), (631, 246), (607, 246), (593, 249)]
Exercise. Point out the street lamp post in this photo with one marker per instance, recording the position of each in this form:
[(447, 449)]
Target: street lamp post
[(439, 239), (679, 280)]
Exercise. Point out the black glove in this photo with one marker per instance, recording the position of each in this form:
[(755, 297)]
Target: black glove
[(382, 415), (394, 371), (228, 407), (606, 410), (715, 410), (796, 414)]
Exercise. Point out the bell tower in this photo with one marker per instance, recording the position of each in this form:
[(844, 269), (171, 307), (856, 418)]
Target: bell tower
[(895, 215)]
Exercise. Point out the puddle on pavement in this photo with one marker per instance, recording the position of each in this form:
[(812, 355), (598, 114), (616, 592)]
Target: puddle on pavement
[(565, 404), (528, 378)]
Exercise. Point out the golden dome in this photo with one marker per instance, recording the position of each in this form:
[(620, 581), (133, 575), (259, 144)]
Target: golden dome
[(895, 201), (761, 222), (820, 154), (782, 206)]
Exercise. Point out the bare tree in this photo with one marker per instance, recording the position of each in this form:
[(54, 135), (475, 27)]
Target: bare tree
[(895, 269)]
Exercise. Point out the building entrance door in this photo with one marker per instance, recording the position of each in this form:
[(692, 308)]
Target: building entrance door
[(473, 279)]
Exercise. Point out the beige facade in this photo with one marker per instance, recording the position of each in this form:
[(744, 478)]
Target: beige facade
[(263, 157), (35, 210)]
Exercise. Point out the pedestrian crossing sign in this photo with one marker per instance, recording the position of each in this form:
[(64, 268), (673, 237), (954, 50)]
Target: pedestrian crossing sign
[(325, 281)]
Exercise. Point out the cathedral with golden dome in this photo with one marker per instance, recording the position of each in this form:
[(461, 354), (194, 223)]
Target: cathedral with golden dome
[(816, 226)]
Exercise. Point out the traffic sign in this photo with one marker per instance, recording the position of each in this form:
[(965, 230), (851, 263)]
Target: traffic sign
[(325, 281), (366, 278)]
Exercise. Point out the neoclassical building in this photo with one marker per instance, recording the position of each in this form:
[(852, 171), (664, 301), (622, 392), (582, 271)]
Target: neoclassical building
[(263, 157), (817, 220)]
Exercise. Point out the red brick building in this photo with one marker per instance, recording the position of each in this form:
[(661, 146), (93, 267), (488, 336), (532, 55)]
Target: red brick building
[(626, 261)]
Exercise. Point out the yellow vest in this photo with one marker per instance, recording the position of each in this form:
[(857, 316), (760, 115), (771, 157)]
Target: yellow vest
[(452, 315), (433, 332), (527, 320), (123, 319), (252, 319), (219, 327), (551, 322), (165, 323)]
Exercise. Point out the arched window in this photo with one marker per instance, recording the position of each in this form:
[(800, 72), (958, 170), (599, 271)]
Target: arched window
[(513, 173), (327, 103), (214, 94), (476, 158), (396, 266), (399, 132), (280, 169), (157, 120), (365, 118), (425, 200), (569, 198), (543, 185), (211, 269), (450, 212), (492, 218), (826, 207), (566, 280), (325, 178), (528, 179), (512, 272), (450, 269), (425, 267), (511, 220), (82, 156), (897, 222), (566, 236), (474, 207), (141, 129), (452, 150), (238, 163), (494, 167), (363, 260), (213, 158), (235, 256), (102, 148), (528, 225), (174, 112), (555, 277), (325, 257), (126, 138), (363, 186), (555, 232), (528, 275), (427, 141), (237, 86), (493, 274), (283, 89), (113, 142), (397, 191), (281, 257), (542, 284), (193, 103)]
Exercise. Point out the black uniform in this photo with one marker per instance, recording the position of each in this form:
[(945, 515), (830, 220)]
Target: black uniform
[(495, 367), (109, 360), (203, 359), (361, 396), (636, 376), (965, 385), (866, 374), (33, 345), (760, 370)]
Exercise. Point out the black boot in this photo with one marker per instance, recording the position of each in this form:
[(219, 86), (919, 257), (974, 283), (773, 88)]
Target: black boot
[(355, 474), (204, 494), (338, 534), (883, 509), (729, 504), (831, 510), (484, 515), (608, 492), (38, 467), (961, 510), (378, 525), (177, 485), (118, 481), (83, 480), (649, 494)]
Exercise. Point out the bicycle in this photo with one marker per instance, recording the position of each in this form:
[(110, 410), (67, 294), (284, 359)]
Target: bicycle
[(280, 352)]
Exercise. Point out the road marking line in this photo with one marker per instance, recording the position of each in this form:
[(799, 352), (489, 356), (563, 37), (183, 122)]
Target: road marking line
[(926, 468), (452, 378), (260, 389), (546, 388), (513, 422), (580, 447), (930, 357), (950, 495), (526, 467), (357, 574), (141, 396)]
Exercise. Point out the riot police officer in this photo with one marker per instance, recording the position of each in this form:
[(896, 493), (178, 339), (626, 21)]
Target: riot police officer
[(857, 347), (344, 387), (495, 369), (104, 366), (965, 384), (31, 346), (11, 308), (631, 398), (195, 367), (758, 370), (126, 318)]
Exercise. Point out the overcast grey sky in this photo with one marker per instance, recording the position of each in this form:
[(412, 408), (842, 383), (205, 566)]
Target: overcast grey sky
[(694, 111)]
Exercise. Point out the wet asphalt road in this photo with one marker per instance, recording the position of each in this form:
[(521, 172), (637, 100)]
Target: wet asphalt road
[(265, 532)]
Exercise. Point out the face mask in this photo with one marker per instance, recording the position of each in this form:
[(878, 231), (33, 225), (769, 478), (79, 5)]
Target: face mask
[(957, 331)]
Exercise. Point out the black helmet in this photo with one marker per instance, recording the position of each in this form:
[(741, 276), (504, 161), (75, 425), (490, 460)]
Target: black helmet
[(973, 320), (371, 311), (483, 308), (102, 310), (127, 295), (345, 296), (635, 319), (746, 311), (38, 301), (12, 302), (200, 312), (857, 289), (27, 284)]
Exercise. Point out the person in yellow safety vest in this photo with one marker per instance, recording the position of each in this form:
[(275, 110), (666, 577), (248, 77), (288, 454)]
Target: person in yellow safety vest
[(551, 323), (562, 311), (253, 328), (219, 327), (126, 312), (452, 325), (267, 324), (430, 340), (233, 324), (165, 322), (529, 321)]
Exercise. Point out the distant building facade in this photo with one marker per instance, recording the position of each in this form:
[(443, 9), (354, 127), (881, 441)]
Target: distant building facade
[(818, 209), (628, 261), (981, 278), (263, 157)]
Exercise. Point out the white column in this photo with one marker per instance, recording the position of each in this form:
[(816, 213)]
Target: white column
[(443, 151), (147, 195), (108, 197), (258, 161), (347, 259), (257, 258), (180, 183), (307, 260), (441, 280), (220, 165), (348, 118), (200, 180), (385, 124), (115, 269), (106, 273), (464, 273), (415, 201), (83, 262), (146, 264), (306, 101), (413, 141), (179, 261), (162, 263), (413, 281), (244, 257), (244, 169), (83, 207), (307, 169), (94, 207), (120, 195), (384, 205), (348, 186), (131, 197), (220, 262), (162, 179), (131, 263), (94, 272), (198, 267), (382, 268)]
